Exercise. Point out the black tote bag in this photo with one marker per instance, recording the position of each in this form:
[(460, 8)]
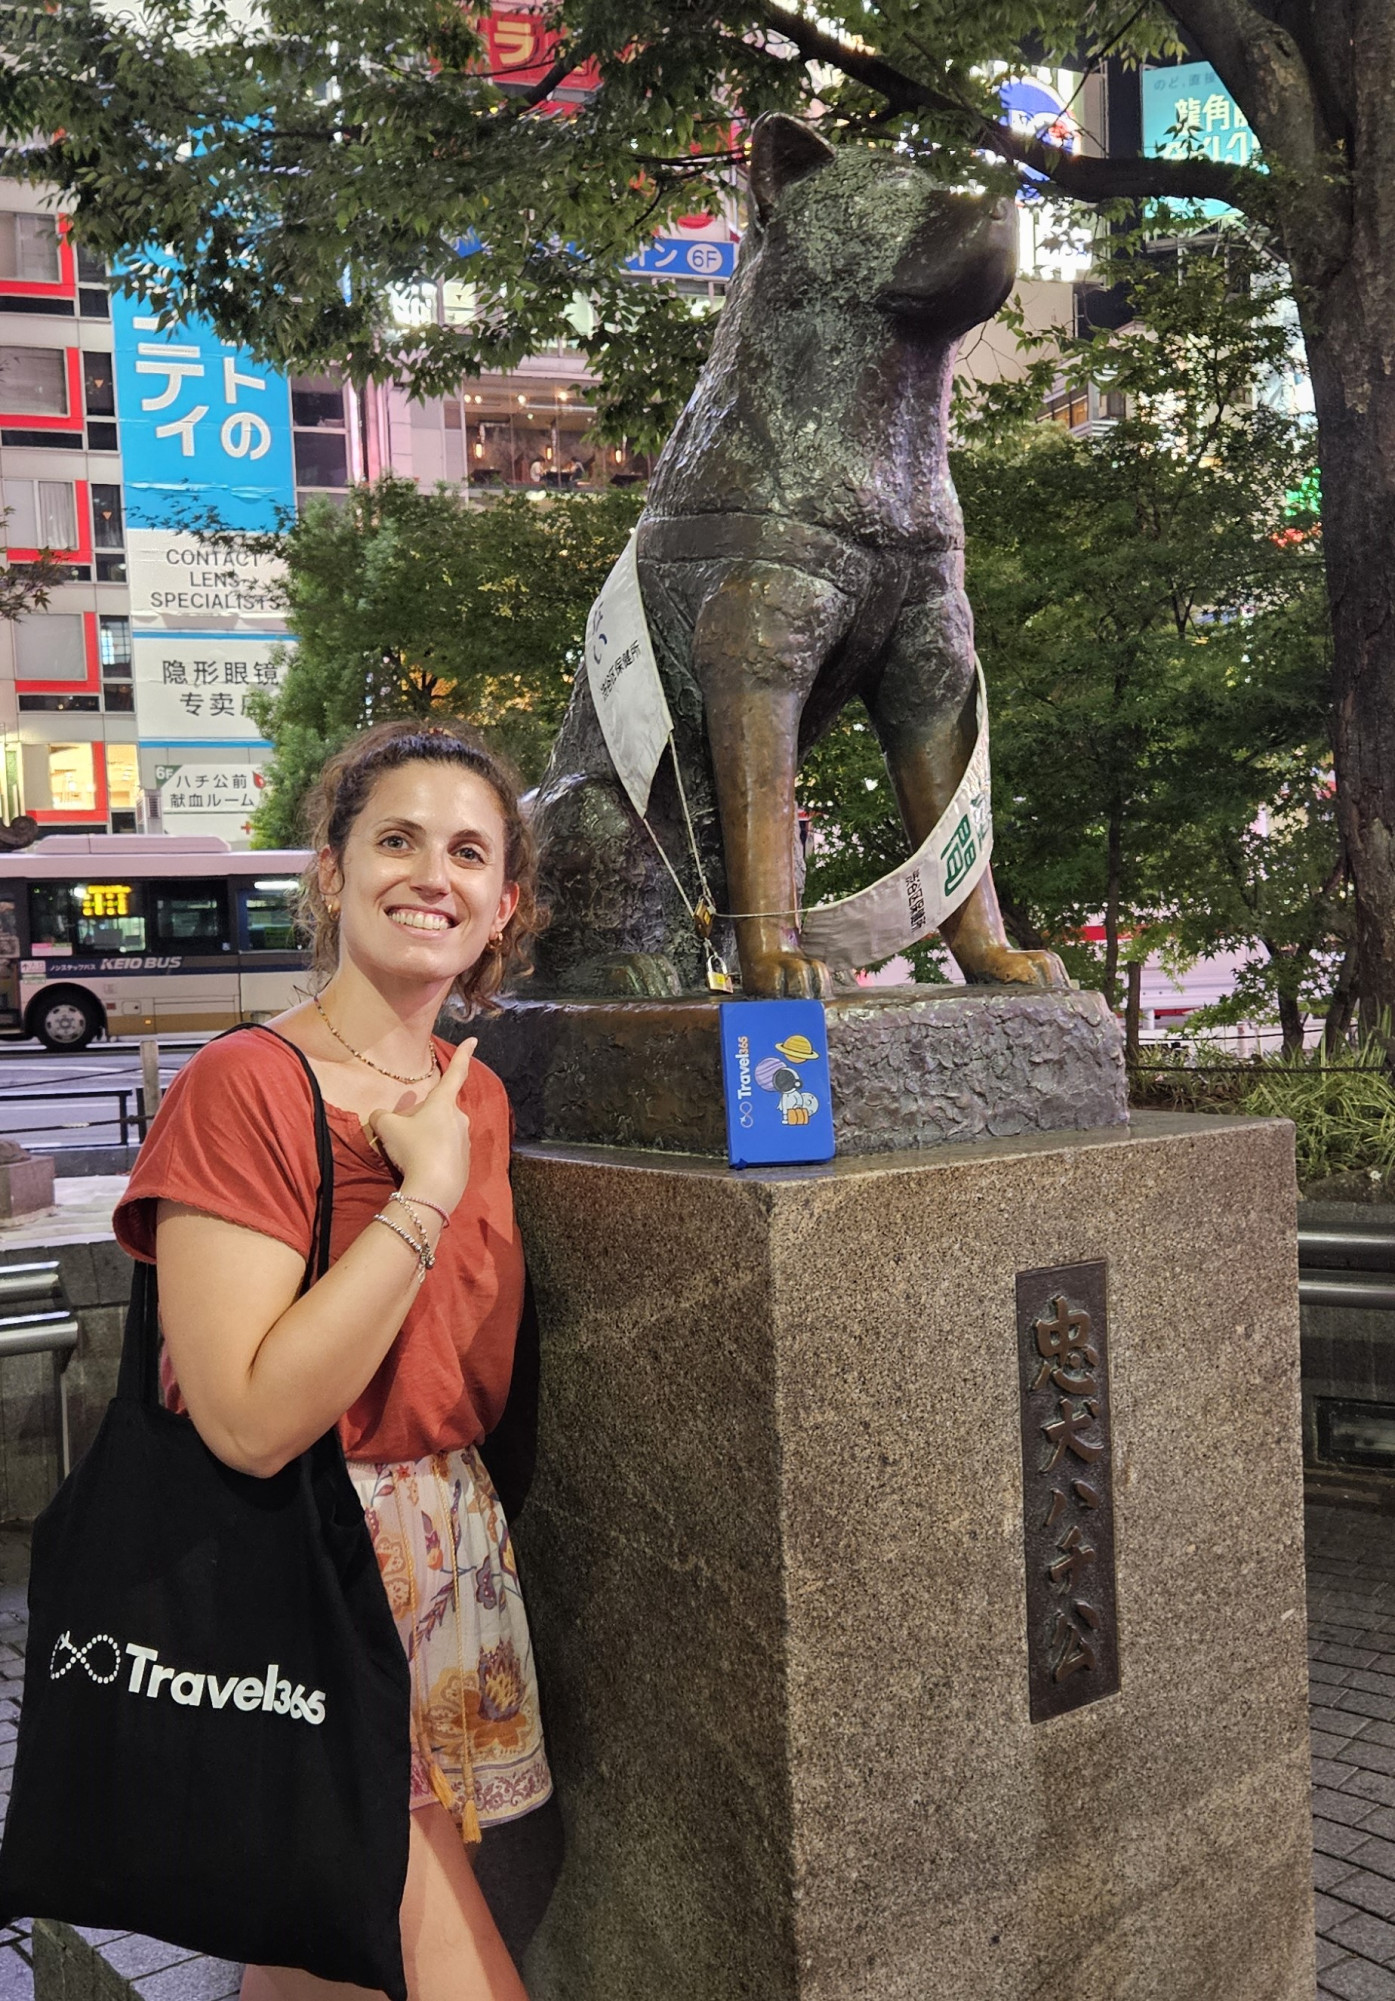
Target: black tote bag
[(214, 1744)]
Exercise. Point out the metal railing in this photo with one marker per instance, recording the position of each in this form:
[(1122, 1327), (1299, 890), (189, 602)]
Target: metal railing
[(39, 1322), (136, 1104), (1347, 1265), (130, 1111)]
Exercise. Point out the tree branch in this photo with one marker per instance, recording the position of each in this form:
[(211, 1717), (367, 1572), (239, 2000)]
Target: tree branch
[(527, 100), (1264, 68), (1083, 178)]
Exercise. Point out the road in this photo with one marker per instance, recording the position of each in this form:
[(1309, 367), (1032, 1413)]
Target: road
[(29, 1076)]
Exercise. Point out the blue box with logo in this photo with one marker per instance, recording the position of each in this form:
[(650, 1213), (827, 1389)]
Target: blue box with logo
[(775, 1075)]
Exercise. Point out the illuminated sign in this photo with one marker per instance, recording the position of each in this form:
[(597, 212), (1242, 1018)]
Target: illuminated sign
[(106, 899), (1189, 114)]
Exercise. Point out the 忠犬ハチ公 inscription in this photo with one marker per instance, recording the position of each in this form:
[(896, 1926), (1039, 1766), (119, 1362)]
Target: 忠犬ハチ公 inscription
[(1067, 1482)]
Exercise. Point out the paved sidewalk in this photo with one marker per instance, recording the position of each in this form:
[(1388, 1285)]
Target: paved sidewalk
[(1351, 1624), (1351, 1631)]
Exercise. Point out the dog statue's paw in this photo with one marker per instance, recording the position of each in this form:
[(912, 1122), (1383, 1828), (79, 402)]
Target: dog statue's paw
[(786, 976), (1005, 965)]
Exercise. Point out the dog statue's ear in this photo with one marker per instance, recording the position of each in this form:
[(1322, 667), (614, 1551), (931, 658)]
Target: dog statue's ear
[(783, 151)]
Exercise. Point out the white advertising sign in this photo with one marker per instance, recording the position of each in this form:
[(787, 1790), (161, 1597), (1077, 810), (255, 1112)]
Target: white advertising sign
[(192, 689), (209, 798), (176, 580)]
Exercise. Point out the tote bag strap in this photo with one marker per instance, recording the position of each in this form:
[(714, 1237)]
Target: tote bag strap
[(140, 1350)]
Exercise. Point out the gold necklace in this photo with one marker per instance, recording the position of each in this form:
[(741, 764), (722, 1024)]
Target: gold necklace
[(359, 1056)]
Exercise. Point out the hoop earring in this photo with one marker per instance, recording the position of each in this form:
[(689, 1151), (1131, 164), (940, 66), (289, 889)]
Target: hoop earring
[(332, 910)]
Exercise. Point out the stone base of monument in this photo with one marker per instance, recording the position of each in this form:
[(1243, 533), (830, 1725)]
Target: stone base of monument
[(915, 1570), (909, 1066), (26, 1184)]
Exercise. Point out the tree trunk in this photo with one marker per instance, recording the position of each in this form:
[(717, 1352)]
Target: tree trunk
[(1133, 1011), (1291, 1019), (1111, 910), (1341, 1008), (1347, 326)]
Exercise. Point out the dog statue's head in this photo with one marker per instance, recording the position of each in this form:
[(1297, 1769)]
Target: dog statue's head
[(861, 225)]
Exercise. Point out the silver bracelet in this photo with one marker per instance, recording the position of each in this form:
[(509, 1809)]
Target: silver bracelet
[(421, 1250), (411, 1202)]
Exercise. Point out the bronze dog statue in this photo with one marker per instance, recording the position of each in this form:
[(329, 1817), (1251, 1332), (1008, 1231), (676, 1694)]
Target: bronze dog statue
[(801, 544)]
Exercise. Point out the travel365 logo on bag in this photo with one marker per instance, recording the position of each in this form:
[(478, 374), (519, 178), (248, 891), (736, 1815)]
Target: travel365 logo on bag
[(101, 1659)]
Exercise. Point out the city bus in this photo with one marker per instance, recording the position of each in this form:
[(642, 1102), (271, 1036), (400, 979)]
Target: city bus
[(133, 934)]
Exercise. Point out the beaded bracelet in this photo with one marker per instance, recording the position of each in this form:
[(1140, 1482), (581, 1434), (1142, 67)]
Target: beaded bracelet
[(412, 1202), (423, 1252)]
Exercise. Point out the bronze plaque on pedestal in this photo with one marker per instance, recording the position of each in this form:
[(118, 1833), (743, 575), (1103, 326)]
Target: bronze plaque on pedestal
[(1068, 1487)]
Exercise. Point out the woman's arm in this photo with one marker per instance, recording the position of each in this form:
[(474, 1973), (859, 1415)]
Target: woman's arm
[(265, 1373)]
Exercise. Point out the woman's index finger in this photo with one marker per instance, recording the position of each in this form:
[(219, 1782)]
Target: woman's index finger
[(458, 1069)]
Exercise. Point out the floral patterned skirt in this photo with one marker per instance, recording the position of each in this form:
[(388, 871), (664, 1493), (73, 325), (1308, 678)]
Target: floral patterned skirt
[(447, 1562)]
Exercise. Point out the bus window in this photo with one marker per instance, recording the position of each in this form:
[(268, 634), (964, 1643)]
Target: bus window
[(85, 919), (266, 916), (190, 917)]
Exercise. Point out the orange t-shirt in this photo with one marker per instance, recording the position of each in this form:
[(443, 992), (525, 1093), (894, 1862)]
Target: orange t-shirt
[(235, 1137)]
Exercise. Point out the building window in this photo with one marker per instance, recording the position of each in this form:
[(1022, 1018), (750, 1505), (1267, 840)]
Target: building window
[(108, 518), (114, 646), (29, 248), (41, 514), (34, 381), (94, 294), (109, 533), (98, 384), (1071, 409), (321, 458), (72, 777), (319, 432), (51, 646), (123, 782), (317, 403)]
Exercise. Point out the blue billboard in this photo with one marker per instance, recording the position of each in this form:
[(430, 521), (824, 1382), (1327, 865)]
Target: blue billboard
[(205, 428), (1189, 113)]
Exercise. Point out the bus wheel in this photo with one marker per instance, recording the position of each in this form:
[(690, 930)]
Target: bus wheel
[(64, 1020)]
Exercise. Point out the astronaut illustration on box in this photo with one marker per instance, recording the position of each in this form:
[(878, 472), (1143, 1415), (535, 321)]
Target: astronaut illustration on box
[(777, 1073)]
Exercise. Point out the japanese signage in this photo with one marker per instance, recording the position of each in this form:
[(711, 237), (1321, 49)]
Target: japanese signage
[(520, 48), (677, 257), (205, 440), (204, 427), (1068, 1491), (194, 689), (209, 798), (1187, 112)]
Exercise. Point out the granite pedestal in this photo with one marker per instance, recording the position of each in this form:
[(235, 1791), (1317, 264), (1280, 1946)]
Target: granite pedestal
[(775, 1567), (909, 1067)]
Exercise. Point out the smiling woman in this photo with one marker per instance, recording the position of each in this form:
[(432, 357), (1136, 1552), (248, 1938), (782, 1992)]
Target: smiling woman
[(421, 886), (338, 816)]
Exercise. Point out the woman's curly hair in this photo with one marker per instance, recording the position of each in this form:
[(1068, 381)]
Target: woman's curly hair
[(342, 791)]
